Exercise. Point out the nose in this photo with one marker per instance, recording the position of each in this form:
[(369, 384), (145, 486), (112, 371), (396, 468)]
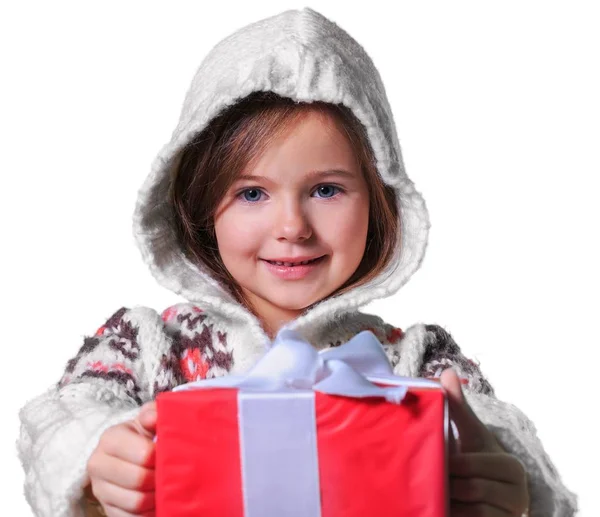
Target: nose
[(292, 222)]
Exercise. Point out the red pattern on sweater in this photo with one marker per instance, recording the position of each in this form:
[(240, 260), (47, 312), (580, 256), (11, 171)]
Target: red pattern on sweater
[(395, 335), (99, 366), (193, 366)]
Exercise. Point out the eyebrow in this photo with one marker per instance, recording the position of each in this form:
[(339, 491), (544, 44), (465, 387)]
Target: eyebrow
[(310, 175)]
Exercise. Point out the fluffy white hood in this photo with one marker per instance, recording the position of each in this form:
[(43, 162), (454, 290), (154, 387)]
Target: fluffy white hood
[(302, 55)]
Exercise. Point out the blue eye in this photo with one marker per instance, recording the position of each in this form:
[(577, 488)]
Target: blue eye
[(326, 188), (252, 190)]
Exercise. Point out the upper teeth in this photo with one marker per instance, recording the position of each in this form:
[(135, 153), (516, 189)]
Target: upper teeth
[(288, 264)]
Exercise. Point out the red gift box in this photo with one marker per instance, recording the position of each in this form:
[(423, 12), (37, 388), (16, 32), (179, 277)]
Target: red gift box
[(374, 458)]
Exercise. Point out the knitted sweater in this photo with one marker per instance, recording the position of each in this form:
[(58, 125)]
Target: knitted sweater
[(138, 352)]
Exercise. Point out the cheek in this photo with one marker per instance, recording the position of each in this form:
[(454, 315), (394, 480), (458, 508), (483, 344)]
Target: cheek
[(347, 229), (234, 237)]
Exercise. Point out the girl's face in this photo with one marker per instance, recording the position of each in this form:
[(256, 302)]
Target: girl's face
[(289, 205)]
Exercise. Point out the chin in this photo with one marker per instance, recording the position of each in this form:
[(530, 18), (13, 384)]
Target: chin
[(289, 302), (291, 306)]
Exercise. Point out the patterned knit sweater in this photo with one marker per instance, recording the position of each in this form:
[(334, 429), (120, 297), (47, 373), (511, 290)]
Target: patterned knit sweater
[(138, 353), (193, 347)]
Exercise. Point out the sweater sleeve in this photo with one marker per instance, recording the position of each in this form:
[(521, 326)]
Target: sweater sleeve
[(514, 431), (103, 385)]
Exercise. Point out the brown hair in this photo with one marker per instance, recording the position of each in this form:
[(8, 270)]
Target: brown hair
[(214, 158)]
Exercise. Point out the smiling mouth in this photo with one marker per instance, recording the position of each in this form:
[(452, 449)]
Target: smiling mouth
[(294, 264)]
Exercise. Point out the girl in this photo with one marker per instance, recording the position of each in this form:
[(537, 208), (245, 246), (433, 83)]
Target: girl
[(280, 199)]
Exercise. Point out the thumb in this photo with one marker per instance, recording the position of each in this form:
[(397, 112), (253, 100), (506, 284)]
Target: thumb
[(147, 418), (472, 432)]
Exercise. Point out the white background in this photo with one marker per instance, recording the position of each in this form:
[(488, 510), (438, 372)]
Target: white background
[(498, 114)]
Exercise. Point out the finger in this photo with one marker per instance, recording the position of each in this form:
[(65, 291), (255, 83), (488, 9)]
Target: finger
[(458, 509), (113, 511), (131, 501), (126, 443), (490, 465), (503, 496), (124, 474), (473, 435), (147, 417)]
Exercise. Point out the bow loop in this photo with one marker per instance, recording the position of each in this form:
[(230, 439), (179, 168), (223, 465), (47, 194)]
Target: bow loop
[(364, 353)]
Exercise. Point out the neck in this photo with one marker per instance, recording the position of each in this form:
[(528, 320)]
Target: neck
[(272, 322), (272, 317)]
